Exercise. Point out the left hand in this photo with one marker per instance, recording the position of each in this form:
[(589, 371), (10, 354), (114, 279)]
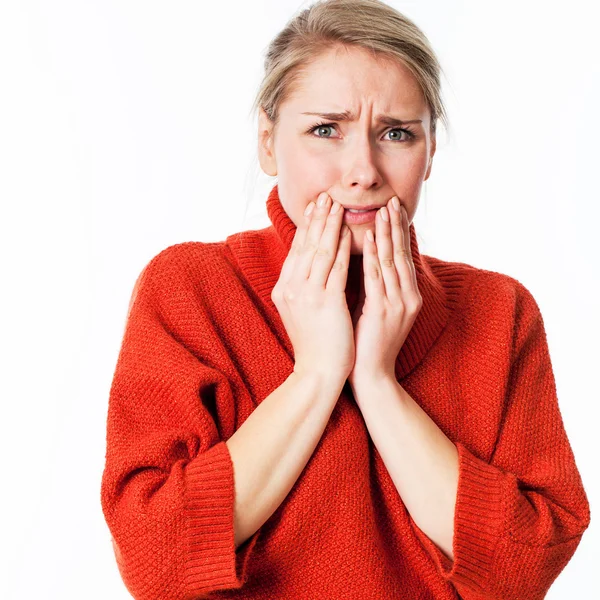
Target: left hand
[(390, 301)]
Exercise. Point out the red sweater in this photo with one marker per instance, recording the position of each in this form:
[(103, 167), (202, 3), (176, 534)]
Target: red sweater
[(204, 344)]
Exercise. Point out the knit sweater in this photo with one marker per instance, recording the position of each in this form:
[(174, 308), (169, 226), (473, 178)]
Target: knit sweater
[(204, 344)]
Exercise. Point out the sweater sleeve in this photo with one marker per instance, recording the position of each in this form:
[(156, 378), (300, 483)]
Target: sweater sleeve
[(167, 489), (519, 517)]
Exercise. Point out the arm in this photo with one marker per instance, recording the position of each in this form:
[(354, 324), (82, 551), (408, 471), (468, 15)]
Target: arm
[(420, 458), (272, 447), (168, 491), (519, 517)]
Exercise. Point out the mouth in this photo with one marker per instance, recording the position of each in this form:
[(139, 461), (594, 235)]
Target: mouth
[(352, 217), (362, 208)]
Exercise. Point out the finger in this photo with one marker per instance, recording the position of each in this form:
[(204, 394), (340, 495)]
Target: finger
[(338, 274), (406, 225), (385, 252), (296, 245), (304, 260), (374, 286), (325, 256), (402, 253)]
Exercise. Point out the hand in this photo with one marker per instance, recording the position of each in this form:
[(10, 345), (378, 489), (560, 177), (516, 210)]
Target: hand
[(310, 294), (390, 301)]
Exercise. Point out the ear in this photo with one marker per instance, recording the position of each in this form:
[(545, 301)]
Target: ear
[(266, 155), (428, 172)]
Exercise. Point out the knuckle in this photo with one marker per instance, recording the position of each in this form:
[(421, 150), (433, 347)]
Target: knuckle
[(289, 295), (338, 265), (323, 252), (373, 272)]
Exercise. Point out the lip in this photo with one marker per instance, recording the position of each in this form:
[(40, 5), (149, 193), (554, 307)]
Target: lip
[(367, 207), (359, 218)]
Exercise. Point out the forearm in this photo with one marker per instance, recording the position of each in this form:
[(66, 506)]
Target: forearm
[(421, 460), (273, 445)]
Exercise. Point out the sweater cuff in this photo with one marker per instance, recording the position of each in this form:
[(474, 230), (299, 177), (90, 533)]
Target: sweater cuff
[(478, 523), (212, 562)]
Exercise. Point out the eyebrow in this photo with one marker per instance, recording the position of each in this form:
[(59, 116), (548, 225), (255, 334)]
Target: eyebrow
[(348, 116)]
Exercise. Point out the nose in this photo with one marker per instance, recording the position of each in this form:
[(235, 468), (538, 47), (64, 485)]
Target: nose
[(360, 164)]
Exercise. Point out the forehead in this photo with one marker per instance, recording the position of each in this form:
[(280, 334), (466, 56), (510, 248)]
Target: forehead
[(352, 78)]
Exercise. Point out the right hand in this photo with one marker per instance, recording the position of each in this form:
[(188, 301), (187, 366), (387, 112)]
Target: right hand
[(310, 295)]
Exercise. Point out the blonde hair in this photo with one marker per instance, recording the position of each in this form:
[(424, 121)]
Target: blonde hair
[(368, 24)]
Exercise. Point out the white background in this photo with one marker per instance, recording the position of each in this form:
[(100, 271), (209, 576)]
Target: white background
[(125, 128)]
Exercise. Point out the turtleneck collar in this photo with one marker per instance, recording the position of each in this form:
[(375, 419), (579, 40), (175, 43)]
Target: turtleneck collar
[(261, 253)]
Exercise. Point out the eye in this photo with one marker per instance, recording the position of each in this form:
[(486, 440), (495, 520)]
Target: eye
[(320, 126), (410, 134)]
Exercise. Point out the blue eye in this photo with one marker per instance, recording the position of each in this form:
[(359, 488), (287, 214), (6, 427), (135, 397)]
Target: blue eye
[(410, 134), (320, 126)]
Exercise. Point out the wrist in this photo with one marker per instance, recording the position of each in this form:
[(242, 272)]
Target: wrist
[(360, 379), (324, 380), (367, 391)]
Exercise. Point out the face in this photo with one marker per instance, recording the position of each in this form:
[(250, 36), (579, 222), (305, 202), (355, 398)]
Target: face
[(358, 161)]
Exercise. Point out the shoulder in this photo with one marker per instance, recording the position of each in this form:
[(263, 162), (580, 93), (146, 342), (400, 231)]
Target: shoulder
[(482, 283), (471, 288), (502, 293), (488, 302), (179, 267), (504, 309), (182, 256), (185, 261)]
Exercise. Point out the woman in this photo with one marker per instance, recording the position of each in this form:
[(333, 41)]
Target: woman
[(309, 411)]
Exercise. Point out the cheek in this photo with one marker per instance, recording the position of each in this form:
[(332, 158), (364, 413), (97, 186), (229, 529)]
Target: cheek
[(304, 166), (307, 176), (295, 195), (407, 178), (299, 182), (413, 166)]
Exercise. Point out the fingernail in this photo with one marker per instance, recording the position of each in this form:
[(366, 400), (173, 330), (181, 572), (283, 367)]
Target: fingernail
[(395, 203), (309, 209), (384, 214), (322, 199)]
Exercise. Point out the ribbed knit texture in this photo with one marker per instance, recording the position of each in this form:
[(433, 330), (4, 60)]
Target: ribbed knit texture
[(203, 345)]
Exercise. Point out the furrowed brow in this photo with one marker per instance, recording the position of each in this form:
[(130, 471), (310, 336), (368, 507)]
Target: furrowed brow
[(347, 116)]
